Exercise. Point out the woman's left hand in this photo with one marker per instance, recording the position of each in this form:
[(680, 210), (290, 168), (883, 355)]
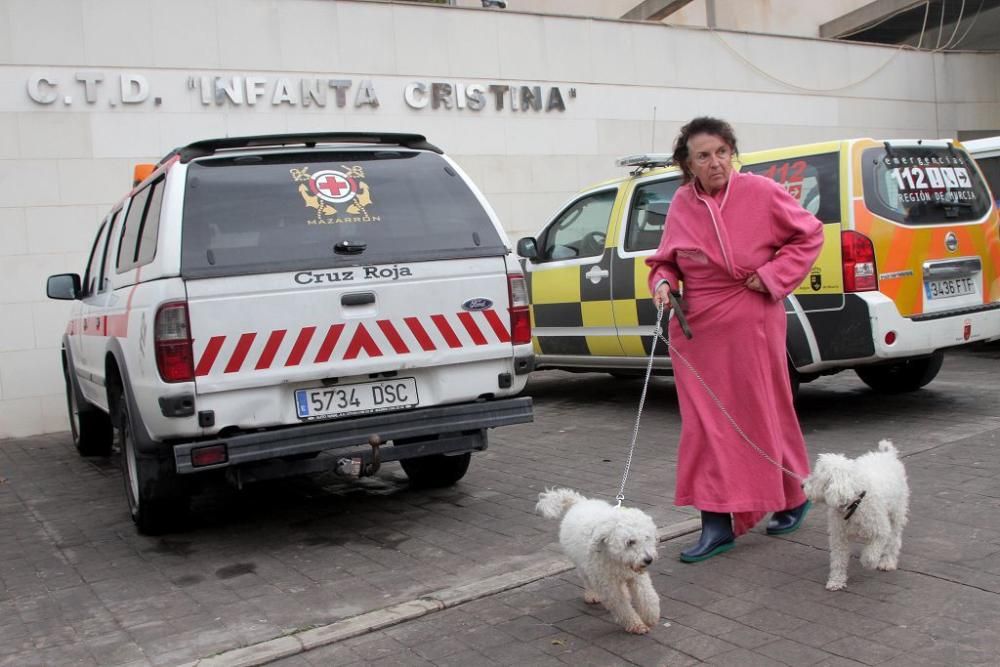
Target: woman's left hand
[(754, 282)]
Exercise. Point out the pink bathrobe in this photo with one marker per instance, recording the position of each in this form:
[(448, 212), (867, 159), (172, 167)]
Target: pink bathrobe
[(713, 244)]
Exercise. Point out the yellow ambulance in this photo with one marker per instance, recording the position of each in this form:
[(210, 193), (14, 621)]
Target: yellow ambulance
[(910, 266)]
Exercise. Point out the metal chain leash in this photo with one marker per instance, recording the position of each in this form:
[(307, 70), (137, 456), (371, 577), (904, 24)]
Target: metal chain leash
[(658, 334)]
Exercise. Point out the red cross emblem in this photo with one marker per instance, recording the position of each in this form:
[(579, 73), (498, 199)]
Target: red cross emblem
[(333, 186)]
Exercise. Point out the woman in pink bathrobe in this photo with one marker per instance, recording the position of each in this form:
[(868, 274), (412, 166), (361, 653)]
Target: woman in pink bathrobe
[(739, 243)]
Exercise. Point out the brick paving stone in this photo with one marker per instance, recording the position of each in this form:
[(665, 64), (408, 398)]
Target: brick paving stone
[(816, 634), (523, 654), (527, 628), (485, 637), (862, 650), (744, 658), (591, 656), (660, 656), (747, 637), (703, 647), (432, 649), (836, 661), (466, 659), (588, 626), (792, 653)]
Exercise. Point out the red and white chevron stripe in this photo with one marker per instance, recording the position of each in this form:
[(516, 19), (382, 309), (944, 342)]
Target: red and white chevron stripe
[(257, 351)]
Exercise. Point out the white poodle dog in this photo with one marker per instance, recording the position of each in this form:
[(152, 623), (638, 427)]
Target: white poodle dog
[(868, 499), (611, 548)]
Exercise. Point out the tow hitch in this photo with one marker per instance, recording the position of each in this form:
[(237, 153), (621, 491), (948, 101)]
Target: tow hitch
[(357, 466)]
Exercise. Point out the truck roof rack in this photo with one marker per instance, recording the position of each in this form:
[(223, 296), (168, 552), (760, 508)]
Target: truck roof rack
[(309, 139)]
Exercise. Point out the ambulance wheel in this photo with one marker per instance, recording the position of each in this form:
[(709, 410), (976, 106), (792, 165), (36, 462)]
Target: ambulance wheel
[(436, 471), (154, 499), (902, 376), (91, 428)]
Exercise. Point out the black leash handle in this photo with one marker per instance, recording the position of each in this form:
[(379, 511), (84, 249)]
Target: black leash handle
[(675, 303)]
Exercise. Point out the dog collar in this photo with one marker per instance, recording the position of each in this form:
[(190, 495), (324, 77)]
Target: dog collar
[(853, 507)]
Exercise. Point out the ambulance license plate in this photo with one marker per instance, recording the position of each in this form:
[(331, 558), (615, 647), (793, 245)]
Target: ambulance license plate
[(349, 399), (950, 287)]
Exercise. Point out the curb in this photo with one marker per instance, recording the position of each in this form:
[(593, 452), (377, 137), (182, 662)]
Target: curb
[(379, 619)]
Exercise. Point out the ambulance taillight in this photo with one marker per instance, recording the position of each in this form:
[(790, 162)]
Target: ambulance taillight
[(858, 255), (520, 316), (173, 344)]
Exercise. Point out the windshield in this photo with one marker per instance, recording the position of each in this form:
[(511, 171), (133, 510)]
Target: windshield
[(923, 185), (292, 211)]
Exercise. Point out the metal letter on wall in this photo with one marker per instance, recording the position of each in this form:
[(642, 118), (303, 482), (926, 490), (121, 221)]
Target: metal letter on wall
[(35, 92)]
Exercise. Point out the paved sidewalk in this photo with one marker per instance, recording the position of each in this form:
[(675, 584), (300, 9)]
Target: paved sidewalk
[(78, 586), (763, 603)]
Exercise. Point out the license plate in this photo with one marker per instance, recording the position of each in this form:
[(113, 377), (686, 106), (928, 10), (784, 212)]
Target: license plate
[(950, 287), (351, 399)]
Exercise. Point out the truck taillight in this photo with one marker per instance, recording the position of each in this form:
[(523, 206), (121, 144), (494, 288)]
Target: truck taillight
[(520, 317), (173, 344), (858, 256)]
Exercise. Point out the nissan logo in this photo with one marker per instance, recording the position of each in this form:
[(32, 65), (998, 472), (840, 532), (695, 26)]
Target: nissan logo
[(951, 242)]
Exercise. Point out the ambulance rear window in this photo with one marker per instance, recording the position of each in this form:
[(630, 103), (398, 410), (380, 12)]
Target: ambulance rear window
[(923, 185), (293, 211)]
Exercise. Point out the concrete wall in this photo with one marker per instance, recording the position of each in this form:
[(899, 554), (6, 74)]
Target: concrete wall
[(63, 163), (774, 17)]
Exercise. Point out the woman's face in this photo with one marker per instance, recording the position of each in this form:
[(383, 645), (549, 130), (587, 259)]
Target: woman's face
[(710, 159)]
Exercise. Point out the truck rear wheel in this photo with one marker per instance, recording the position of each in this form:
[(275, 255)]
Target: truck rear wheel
[(902, 376), (91, 428), (155, 499), (437, 470)]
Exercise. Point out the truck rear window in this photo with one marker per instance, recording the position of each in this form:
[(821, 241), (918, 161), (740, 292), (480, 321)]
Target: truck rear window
[(289, 211), (923, 185)]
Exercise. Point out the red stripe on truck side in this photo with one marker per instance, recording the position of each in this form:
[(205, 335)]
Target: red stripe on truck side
[(209, 355), (497, 324), (301, 343), (418, 331), (470, 325), (270, 349), (362, 340), (240, 353), (393, 337), (330, 342), (449, 334)]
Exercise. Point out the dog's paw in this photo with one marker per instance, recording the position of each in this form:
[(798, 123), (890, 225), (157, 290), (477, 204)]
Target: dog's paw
[(591, 597), (637, 629), (833, 585), (887, 564)]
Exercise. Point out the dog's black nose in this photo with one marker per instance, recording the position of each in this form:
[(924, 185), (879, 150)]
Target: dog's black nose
[(647, 560)]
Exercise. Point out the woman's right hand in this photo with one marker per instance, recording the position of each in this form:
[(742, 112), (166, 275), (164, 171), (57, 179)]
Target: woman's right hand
[(662, 297)]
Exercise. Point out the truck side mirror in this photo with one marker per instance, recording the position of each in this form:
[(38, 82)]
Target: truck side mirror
[(527, 247), (64, 286)]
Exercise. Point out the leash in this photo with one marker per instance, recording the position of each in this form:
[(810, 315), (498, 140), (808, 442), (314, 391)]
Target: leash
[(678, 312)]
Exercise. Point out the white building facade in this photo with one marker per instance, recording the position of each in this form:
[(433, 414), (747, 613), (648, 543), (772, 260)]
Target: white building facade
[(534, 107)]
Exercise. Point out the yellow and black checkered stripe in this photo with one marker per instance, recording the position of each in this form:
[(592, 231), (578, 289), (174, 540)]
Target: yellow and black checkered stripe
[(566, 299)]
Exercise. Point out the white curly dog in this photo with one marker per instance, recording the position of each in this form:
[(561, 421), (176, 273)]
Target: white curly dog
[(868, 499), (611, 548)]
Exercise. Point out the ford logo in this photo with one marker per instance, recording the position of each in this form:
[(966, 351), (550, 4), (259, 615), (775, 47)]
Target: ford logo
[(951, 242), (478, 303)]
